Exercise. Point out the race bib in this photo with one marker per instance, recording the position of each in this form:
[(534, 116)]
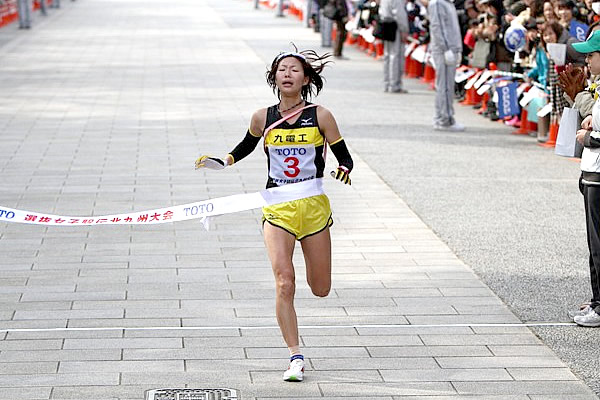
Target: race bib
[(291, 164)]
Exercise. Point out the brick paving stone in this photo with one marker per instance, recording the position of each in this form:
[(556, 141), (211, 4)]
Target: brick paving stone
[(31, 393), (566, 388)]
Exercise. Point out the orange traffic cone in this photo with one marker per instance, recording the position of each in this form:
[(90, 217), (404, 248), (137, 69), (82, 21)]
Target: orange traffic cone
[(350, 39), (484, 100), (371, 49), (428, 74), (378, 49), (471, 97), (417, 69), (552, 135), (408, 65)]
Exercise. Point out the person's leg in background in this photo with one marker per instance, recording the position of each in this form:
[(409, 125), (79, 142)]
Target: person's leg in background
[(340, 38), (43, 10), (591, 196), (326, 28), (396, 65), (24, 11), (441, 116), (386, 64), (449, 92)]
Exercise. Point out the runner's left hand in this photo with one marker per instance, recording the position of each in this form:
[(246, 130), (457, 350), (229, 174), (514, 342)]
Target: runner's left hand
[(342, 174), (210, 163)]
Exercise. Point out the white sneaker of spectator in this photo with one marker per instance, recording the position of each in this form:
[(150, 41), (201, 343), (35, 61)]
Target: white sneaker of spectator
[(591, 319)]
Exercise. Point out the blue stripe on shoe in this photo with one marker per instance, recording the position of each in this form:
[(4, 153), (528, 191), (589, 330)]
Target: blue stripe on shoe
[(296, 357)]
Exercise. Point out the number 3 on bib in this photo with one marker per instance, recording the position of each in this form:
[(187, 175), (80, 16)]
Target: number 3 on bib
[(292, 167), (289, 164)]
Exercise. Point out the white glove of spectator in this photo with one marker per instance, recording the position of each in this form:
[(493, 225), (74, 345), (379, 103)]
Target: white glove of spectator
[(450, 57)]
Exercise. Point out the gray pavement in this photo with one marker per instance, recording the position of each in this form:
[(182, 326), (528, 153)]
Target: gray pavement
[(104, 109)]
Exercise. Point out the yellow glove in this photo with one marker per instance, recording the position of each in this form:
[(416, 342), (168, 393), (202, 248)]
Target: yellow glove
[(210, 163), (342, 174)]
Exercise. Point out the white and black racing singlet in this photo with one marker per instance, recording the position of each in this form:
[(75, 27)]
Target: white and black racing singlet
[(294, 151)]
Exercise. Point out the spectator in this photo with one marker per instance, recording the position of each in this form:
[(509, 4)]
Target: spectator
[(339, 14), (589, 184), (393, 51), (468, 23), (415, 18), (549, 15), (586, 12), (550, 34), (539, 72), (446, 45), (469, 40), (565, 13), (24, 11), (572, 81), (536, 8), (572, 57)]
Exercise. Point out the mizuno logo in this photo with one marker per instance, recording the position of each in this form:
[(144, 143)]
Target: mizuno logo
[(304, 122)]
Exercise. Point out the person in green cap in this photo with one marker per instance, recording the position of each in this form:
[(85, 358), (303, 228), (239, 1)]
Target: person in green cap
[(589, 137)]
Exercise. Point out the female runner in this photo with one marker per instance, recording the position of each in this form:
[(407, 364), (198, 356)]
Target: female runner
[(295, 152)]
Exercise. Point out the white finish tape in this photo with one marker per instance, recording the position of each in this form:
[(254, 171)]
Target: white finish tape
[(202, 209)]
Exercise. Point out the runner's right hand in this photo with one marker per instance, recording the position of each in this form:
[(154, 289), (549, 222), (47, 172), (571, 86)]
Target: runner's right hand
[(210, 163), (342, 174)]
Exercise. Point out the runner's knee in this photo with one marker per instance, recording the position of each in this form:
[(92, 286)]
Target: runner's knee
[(320, 291), (286, 287)]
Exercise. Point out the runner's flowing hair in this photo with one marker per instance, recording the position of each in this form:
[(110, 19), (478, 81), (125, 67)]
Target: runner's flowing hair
[(312, 63)]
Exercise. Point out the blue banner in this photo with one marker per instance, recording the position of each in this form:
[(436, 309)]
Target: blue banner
[(508, 100), (578, 30)]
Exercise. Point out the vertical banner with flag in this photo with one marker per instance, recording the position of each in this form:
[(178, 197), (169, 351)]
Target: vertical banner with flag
[(508, 100)]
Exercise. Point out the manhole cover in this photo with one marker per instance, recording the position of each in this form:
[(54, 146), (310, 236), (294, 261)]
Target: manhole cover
[(192, 394)]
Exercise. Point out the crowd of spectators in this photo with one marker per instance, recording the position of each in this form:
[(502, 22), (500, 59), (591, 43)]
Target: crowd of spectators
[(487, 29)]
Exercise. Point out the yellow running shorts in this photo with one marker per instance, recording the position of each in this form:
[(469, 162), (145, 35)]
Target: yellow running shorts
[(302, 217)]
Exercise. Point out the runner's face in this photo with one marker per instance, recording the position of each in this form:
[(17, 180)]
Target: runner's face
[(290, 76)]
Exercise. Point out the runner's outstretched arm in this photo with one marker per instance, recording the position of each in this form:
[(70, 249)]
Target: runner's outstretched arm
[(242, 150)]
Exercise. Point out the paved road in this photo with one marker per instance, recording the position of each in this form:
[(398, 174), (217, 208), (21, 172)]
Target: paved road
[(105, 107)]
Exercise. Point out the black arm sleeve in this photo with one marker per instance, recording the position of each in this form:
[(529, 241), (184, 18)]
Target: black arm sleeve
[(245, 147), (340, 151)]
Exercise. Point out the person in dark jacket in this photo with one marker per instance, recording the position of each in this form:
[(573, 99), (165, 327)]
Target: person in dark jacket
[(339, 18)]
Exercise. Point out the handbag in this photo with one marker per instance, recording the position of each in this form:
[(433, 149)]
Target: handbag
[(331, 11), (479, 58), (565, 140), (386, 30)]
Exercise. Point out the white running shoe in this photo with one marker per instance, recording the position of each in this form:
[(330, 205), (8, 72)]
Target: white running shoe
[(580, 312), (295, 371), (591, 319)]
